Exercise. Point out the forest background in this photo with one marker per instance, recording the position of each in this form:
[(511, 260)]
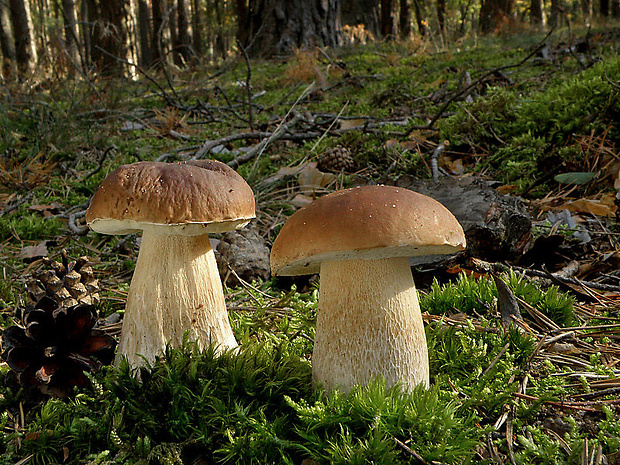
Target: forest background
[(113, 37), (517, 100)]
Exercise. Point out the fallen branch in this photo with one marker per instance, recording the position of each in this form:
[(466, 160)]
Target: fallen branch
[(487, 267)]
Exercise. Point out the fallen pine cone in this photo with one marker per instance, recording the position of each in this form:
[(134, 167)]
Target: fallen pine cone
[(55, 346), (335, 160), (69, 283)]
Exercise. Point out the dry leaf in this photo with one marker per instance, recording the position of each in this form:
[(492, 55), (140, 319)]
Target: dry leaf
[(351, 123), (283, 172), (54, 207), (507, 189), (603, 206), (32, 252), (301, 200), (311, 180)]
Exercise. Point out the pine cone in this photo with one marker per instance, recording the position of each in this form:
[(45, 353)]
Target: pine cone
[(68, 283), (54, 346), (337, 159)]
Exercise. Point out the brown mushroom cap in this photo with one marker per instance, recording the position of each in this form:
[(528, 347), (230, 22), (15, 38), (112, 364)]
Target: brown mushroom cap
[(187, 198), (367, 222)]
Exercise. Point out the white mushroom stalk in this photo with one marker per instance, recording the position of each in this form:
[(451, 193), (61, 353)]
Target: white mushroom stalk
[(175, 292), (369, 324)]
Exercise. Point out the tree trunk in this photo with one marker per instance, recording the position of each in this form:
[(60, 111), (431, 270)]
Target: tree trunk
[(171, 14), (404, 23), (71, 32), (7, 42), (276, 27), (157, 35), (110, 37), (364, 12), (22, 30), (418, 7), (554, 13), (144, 31), (183, 35), (494, 14), (387, 18), (197, 29), (536, 12), (441, 16)]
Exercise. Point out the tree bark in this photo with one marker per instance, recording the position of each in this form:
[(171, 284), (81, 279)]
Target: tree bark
[(7, 42), (404, 22), (441, 16), (554, 13), (387, 18), (536, 12), (418, 6), (23, 33), (183, 32), (71, 32), (494, 14), (110, 37), (364, 12), (277, 27), (157, 35), (197, 28), (144, 31)]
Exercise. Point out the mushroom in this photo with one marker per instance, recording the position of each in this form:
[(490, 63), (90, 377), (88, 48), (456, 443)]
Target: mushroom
[(176, 287), (369, 322)]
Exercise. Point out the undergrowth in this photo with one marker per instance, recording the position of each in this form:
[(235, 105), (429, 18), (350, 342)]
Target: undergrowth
[(257, 404)]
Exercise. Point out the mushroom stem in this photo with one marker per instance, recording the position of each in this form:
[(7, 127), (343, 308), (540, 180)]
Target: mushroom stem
[(369, 324), (175, 289)]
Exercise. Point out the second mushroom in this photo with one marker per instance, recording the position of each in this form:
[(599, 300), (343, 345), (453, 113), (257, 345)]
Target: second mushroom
[(176, 288), (369, 321)]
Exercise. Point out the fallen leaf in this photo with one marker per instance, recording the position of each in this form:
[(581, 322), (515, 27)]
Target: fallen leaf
[(351, 123), (506, 303), (599, 207), (32, 252), (301, 200), (311, 180), (575, 178), (507, 189), (283, 172), (53, 208)]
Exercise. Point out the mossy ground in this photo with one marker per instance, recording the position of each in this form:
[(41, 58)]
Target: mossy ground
[(495, 395)]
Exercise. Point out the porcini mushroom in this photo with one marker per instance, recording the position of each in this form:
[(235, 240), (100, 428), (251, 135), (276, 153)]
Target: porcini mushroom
[(369, 322), (176, 286)]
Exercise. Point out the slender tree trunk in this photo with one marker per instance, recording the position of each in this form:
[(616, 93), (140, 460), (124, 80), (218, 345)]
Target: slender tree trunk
[(143, 28), (184, 36), (7, 42), (197, 28), (387, 19), (22, 29), (404, 23), (418, 6), (276, 27), (604, 8), (494, 14), (157, 35), (441, 16), (172, 14), (110, 37), (536, 12), (554, 13), (615, 9), (71, 32)]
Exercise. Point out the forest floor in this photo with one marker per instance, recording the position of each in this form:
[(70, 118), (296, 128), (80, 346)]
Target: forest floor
[(533, 119)]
